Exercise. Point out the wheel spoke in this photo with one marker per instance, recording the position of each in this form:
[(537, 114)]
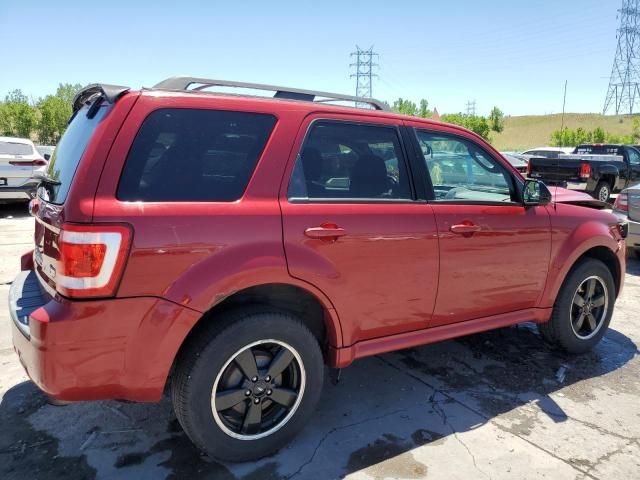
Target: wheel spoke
[(577, 325), (284, 397), (252, 419), (229, 398), (247, 363), (598, 301), (578, 300), (591, 287), (592, 321), (280, 362)]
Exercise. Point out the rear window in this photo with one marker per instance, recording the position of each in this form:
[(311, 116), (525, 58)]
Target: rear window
[(15, 148), (194, 155), (66, 157)]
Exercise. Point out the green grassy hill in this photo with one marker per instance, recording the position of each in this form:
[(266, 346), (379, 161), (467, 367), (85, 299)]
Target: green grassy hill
[(532, 131)]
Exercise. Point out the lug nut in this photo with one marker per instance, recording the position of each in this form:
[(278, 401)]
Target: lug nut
[(254, 379), (267, 378), (247, 392), (256, 401), (269, 392)]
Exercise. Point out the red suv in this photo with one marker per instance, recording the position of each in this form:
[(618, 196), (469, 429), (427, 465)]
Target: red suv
[(233, 246)]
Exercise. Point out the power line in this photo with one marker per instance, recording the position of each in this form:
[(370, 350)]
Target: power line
[(364, 75), (624, 83)]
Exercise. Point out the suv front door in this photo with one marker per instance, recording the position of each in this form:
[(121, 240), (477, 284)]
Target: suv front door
[(354, 229), (494, 251)]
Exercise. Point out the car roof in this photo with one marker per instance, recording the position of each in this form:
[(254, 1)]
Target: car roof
[(16, 140)]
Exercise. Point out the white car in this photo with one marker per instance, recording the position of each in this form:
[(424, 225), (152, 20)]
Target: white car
[(627, 208), (19, 163), (547, 152)]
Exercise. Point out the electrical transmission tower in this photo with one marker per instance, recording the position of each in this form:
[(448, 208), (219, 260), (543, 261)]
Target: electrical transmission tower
[(624, 86), (364, 72), (471, 108)]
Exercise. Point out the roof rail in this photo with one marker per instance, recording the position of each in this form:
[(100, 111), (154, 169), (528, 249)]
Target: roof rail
[(183, 83)]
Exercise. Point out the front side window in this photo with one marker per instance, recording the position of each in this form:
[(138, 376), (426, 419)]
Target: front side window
[(461, 171), (350, 161), (182, 155)]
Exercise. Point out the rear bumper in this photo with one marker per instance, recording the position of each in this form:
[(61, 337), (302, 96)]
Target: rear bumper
[(120, 348), (633, 235), (23, 192)]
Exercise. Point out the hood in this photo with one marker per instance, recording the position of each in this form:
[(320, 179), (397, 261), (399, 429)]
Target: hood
[(563, 195)]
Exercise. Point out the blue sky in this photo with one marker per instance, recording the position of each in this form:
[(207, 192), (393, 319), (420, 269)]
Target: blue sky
[(514, 54)]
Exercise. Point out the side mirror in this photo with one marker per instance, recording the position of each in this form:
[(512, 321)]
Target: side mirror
[(535, 193)]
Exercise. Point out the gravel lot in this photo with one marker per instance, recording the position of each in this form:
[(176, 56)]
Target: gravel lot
[(494, 405)]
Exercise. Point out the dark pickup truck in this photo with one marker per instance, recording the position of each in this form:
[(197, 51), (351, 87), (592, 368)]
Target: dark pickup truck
[(596, 169)]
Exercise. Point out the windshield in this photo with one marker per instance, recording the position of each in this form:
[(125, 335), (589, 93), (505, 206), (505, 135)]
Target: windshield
[(68, 152), (15, 148)]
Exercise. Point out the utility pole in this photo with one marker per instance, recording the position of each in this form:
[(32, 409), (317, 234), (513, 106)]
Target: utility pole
[(364, 75), (624, 84), (471, 108), (564, 103)]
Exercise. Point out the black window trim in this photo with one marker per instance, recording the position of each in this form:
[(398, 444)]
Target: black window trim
[(354, 201), (208, 202), (515, 186)]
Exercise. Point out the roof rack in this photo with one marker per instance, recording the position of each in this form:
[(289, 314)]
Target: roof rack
[(183, 83)]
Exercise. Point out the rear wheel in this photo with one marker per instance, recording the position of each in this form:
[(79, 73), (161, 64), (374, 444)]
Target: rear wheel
[(242, 391), (583, 309), (603, 191)]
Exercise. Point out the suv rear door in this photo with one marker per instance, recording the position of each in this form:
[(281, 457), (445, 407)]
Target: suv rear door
[(354, 229), (494, 251)]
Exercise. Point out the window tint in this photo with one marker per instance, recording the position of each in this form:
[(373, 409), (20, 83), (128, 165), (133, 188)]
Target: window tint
[(15, 148), (194, 155), (349, 161), (461, 171), (634, 157), (67, 154)]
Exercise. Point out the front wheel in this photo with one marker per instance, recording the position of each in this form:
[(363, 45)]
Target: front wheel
[(583, 308), (243, 390)]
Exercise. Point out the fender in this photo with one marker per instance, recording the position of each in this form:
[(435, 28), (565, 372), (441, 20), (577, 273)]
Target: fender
[(568, 247)]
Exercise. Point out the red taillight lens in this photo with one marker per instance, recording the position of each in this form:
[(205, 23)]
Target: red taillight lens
[(28, 163), (585, 170), (622, 202), (528, 168), (92, 259)]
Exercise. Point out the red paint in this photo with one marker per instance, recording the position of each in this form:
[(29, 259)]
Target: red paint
[(388, 275)]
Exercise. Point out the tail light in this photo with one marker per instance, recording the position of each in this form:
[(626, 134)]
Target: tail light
[(585, 171), (622, 202), (528, 168), (28, 163), (92, 259)]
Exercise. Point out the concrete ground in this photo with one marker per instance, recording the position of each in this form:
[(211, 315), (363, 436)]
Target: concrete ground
[(494, 405)]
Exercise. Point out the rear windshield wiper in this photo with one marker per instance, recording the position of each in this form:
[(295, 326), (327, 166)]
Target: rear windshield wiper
[(44, 178)]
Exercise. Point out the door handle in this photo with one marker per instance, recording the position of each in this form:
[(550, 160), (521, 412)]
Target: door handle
[(465, 228), (326, 231)]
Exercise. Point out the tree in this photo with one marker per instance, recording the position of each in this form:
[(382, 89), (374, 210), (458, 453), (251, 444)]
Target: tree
[(475, 123), (407, 107), (496, 120), (17, 116), (55, 111)]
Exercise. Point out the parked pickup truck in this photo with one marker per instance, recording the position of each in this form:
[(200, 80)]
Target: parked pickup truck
[(596, 169)]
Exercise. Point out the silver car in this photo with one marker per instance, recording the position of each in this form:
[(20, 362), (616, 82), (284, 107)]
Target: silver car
[(627, 207), (19, 163)]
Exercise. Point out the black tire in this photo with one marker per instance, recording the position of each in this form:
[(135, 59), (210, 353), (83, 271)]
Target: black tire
[(636, 252), (602, 191), (208, 359), (560, 329)]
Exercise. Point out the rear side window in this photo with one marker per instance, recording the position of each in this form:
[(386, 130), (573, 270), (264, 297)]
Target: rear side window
[(182, 155), (350, 161), (66, 157), (15, 148)]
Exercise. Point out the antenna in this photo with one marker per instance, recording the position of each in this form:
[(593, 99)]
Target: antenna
[(624, 83), (364, 72)]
